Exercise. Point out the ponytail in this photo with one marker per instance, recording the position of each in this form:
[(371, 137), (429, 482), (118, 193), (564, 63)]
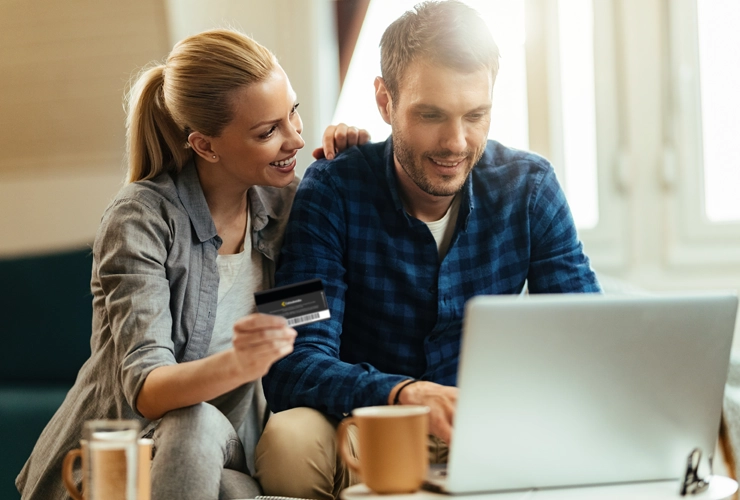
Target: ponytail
[(154, 141), (193, 91)]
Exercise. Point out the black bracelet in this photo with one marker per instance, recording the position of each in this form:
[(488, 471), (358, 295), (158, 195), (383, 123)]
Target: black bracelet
[(396, 399)]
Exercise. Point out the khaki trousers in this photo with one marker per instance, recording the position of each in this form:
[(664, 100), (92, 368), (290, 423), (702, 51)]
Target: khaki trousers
[(297, 456)]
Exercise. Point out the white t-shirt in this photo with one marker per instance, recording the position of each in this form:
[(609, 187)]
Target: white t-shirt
[(240, 275), (444, 228)]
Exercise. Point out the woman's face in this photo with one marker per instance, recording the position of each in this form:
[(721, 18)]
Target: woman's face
[(259, 146)]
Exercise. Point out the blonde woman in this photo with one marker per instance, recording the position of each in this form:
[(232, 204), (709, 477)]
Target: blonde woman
[(212, 142)]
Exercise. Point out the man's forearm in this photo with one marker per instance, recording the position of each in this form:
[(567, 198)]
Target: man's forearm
[(323, 382)]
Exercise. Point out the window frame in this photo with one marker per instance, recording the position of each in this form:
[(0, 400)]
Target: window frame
[(605, 242), (693, 238)]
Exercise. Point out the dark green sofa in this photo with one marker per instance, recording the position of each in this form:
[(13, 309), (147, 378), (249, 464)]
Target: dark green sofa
[(45, 313)]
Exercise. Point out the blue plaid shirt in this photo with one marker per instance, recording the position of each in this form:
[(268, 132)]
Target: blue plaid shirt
[(396, 310)]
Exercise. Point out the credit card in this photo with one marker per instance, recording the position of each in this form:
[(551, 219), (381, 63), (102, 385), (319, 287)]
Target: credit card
[(300, 303)]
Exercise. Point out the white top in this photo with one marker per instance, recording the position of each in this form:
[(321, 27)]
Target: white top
[(442, 230), (240, 275)]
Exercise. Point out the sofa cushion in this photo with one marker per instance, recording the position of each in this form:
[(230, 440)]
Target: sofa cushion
[(24, 411), (46, 315)]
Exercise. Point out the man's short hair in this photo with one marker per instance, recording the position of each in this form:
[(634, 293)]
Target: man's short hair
[(448, 33)]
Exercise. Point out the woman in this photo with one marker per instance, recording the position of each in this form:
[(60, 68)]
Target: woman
[(212, 142)]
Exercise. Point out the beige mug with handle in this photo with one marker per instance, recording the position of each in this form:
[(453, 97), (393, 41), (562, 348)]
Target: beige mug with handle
[(393, 444), (115, 465), (68, 471)]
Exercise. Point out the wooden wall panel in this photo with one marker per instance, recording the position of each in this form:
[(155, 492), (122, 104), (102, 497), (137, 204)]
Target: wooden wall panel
[(65, 66)]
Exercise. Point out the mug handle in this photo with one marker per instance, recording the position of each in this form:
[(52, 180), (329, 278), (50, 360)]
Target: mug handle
[(67, 466), (343, 442)]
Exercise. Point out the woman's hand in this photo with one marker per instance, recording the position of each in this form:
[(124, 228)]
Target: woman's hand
[(259, 341), (337, 138)]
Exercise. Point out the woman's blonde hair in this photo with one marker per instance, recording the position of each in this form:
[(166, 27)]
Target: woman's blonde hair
[(192, 91)]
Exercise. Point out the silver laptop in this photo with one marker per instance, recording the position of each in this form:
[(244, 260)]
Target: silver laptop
[(566, 390)]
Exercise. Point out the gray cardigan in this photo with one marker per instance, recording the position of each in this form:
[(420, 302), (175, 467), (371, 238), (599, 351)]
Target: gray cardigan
[(155, 289)]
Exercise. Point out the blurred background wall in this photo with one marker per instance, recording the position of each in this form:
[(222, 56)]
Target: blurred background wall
[(66, 66)]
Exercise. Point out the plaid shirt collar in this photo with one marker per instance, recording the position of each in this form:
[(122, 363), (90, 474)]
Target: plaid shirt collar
[(467, 204)]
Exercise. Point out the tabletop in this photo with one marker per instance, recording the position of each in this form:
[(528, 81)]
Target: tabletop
[(720, 488)]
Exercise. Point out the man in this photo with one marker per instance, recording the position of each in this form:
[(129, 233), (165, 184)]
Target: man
[(402, 233)]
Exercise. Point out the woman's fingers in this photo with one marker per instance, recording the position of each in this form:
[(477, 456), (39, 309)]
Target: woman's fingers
[(363, 136), (339, 137), (261, 329), (268, 351), (327, 143), (256, 360), (259, 321), (351, 137), (251, 341), (318, 153)]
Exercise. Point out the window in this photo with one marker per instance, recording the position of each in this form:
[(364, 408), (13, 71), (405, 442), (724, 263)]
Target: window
[(702, 148), (577, 103), (719, 72)]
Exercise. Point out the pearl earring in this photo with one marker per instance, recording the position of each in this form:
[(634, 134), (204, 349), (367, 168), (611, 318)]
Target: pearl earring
[(214, 157)]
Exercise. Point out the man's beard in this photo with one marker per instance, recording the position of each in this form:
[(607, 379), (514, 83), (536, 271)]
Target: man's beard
[(412, 164)]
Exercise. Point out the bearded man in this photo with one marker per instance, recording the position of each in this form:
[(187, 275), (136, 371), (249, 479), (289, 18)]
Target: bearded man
[(403, 233)]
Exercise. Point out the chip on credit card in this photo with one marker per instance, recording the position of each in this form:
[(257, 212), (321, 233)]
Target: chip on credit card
[(300, 303)]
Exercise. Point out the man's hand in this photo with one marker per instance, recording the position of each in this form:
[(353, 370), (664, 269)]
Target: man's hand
[(337, 138), (259, 341), (440, 399)]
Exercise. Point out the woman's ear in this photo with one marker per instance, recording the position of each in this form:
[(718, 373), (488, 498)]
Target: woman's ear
[(202, 146), (383, 99)]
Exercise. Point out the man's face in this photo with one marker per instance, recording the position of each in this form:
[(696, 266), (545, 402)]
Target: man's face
[(440, 123)]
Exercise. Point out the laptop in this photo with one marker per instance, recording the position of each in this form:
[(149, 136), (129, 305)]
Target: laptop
[(575, 390)]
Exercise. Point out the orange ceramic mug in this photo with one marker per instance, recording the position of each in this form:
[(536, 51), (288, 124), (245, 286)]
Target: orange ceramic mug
[(392, 442)]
